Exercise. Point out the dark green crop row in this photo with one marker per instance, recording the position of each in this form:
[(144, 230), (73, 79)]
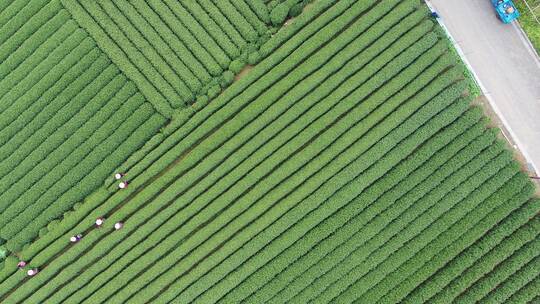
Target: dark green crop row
[(483, 289), (521, 278), (456, 266), (521, 191), (462, 228), (404, 205), (286, 266), (498, 252)]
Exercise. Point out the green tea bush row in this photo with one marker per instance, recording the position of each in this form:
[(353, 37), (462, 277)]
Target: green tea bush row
[(528, 293), (98, 166), (429, 234), (318, 242), (150, 33), (26, 77), (276, 193), (237, 20), (40, 44), (173, 153), (172, 22), (24, 23), (10, 8), (132, 134), (224, 24), (183, 52), (521, 278), (467, 257), (29, 118), (404, 212), (204, 39), (61, 139), (114, 22), (151, 85), (496, 253), (379, 97), (450, 242), (522, 191), (483, 289), (214, 30), (265, 136), (268, 250), (387, 215), (252, 17)]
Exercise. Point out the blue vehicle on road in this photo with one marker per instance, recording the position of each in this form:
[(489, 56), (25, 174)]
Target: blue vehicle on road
[(506, 10)]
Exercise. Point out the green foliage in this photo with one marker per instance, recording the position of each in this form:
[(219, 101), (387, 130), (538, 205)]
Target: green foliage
[(346, 166), (279, 14)]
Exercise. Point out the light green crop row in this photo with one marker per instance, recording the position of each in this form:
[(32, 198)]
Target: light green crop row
[(205, 40), (213, 29)]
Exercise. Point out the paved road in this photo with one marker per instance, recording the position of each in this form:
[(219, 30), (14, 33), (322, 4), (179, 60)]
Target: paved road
[(505, 65)]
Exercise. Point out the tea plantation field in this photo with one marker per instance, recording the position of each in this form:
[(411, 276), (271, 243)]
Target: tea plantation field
[(283, 151)]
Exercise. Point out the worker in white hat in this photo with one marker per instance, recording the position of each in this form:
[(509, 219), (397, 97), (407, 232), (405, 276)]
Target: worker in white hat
[(119, 175), (99, 221), (118, 225), (123, 185), (32, 272)]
